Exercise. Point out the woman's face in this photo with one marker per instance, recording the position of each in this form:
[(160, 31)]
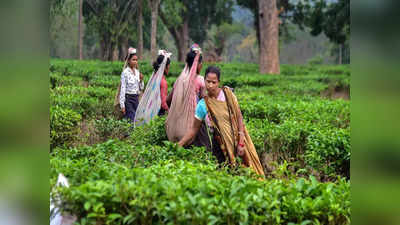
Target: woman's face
[(212, 83), (133, 61)]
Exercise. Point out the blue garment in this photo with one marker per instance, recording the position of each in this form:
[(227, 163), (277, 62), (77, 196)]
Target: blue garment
[(201, 110)]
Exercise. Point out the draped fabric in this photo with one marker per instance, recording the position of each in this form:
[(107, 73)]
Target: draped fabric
[(150, 103), (181, 113), (224, 116)]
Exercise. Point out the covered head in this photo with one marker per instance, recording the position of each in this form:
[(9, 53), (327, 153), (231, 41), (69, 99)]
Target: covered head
[(191, 55), (161, 55), (129, 55)]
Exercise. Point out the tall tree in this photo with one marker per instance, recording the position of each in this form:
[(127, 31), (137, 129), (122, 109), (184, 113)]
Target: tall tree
[(285, 9), (187, 20), (216, 40), (80, 31), (140, 29), (154, 4), (64, 28), (330, 18), (269, 37), (110, 19)]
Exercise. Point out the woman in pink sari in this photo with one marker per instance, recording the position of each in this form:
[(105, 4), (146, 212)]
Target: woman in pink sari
[(188, 89)]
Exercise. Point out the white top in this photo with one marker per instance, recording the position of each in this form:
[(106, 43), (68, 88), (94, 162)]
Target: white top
[(130, 84)]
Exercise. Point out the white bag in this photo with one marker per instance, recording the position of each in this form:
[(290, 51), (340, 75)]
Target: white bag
[(56, 217)]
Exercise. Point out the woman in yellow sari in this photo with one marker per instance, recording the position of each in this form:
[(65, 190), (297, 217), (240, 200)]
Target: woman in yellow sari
[(221, 113)]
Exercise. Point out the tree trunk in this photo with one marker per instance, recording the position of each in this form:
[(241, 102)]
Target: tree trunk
[(106, 48), (185, 41), (257, 27), (269, 37), (140, 29), (115, 53), (154, 15), (180, 44), (102, 49), (181, 36), (340, 54), (124, 47), (80, 31)]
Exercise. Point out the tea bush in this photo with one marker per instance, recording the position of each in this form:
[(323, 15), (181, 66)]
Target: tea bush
[(323, 149), (182, 192), (150, 134), (279, 108), (110, 128), (144, 179), (87, 163), (63, 126)]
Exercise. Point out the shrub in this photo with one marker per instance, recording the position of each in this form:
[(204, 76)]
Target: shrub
[(152, 133), (324, 150), (63, 126), (186, 193), (108, 128)]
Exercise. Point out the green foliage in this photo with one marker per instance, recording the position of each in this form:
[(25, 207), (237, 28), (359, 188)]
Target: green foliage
[(182, 192), (99, 161), (332, 18), (110, 20), (57, 80), (317, 60), (89, 102), (174, 13), (145, 179), (63, 126), (152, 133), (110, 128)]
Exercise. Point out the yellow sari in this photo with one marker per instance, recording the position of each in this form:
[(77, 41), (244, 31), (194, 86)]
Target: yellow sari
[(224, 119)]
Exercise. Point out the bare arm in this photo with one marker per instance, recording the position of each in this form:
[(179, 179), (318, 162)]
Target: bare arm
[(189, 136), (169, 98)]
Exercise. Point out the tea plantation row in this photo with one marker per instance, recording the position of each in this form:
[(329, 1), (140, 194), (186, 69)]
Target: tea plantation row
[(300, 134)]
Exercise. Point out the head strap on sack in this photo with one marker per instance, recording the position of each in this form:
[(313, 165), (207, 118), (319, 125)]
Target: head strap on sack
[(131, 51), (196, 48), (164, 53)]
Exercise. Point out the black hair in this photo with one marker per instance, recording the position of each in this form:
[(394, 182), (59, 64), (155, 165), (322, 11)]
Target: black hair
[(157, 63), (190, 58), (213, 69)]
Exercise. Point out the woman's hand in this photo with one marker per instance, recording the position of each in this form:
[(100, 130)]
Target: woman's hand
[(191, 133), (123, 111), (240, 146), (240, 149)]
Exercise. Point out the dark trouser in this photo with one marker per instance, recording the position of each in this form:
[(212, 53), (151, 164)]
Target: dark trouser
[(131, 104), (202, 139)]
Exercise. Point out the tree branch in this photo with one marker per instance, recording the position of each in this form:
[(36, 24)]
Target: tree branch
[(94, 9), (171, 29)]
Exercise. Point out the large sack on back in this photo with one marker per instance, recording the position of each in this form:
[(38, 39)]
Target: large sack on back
[(183, 105)]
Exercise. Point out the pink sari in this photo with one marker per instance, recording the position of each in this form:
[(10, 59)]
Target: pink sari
[(183, 104)]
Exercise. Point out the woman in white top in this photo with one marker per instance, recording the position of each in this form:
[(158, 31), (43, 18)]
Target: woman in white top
[(131, 85)]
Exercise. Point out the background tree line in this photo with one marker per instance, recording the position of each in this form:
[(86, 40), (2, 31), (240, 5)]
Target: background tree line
[(267, 32)]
